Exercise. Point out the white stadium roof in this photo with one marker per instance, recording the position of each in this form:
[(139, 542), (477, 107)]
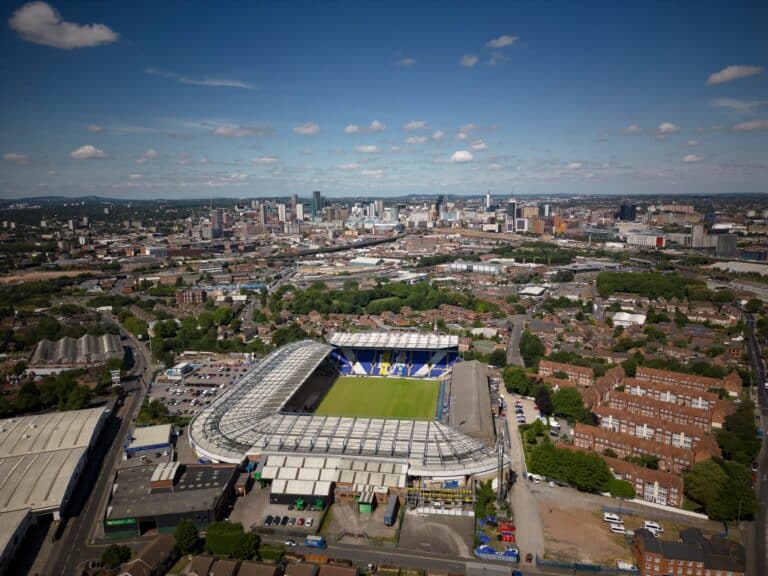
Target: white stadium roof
[(394, 340), (248, 420)]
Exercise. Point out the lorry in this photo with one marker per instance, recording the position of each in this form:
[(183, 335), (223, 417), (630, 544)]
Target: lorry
[(393, 506), (315, 542)]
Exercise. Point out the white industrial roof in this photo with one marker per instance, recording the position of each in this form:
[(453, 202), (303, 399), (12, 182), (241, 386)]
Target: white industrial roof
[(45, 432), (532, 291), (150, 436), (394, 340), (247, 419)]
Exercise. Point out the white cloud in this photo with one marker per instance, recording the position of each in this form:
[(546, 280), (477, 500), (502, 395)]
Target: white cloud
[(406, 62), (373, 173), (375, 126), (502, 41), (438, 135), (416, 140), (461, 136), (751, 126), (691, 158), (16, 157), (461, 156), (349, 166), (478, 144), (87, 152), (367, 149), (135, 176), (468, 60), (40, 23), (692, 143), (307, 129), (150, 154), (266, 160), (94, 128), (632, 129), (735, 72), (668, 128), (204, 81), (497, 58), (234, 131), (468, 127), (744, 106), (575, 166), (414, 125)]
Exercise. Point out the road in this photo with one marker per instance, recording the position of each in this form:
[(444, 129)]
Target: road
[(74, 548), (513, 348), (757, 561)]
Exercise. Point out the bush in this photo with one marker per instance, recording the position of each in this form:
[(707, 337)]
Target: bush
[(187, 537), (621, 489), (114, 555), (230, 539)]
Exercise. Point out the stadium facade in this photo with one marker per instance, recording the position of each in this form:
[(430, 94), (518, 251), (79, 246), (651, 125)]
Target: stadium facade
[(258, 416)]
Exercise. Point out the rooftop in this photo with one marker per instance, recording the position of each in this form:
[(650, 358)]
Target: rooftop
[(25, 435), (470, 411), (393, 340), (87, 349)]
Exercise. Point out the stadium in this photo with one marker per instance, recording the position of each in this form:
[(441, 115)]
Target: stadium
[(389, 398)]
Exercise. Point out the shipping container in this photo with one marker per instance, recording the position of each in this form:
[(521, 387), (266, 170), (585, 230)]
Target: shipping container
[(393, 506)]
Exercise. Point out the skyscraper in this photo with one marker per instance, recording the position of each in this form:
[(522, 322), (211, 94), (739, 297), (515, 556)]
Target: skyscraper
[(217, 221), (628, 212), (281, 212), (299, 211), (317, 203), (294, 201), (512, 215), (488, 199)]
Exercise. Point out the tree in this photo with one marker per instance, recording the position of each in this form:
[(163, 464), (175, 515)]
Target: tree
[(498, 358), (753, 305), (738, 437), (567, 402), (28, 397), (516, 379), (621, 489), (704, 482), (544, 400), (230, 539), (187, 537), (531, 349), (114, 555)]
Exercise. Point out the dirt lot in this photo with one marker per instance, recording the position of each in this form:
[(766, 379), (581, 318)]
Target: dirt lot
[(449, 535), (22, 277), (345, 518), (577, 533)]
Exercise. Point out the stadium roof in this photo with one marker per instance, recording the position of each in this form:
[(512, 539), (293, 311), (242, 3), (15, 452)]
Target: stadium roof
[(394, 340), (470, 411), (87, 349), (248, 419)]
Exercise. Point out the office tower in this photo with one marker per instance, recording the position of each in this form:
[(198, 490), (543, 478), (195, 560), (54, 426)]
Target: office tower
[(512, 215), (294, 202), (488, 199), (262, 214), (217, 221), (299, 212), (697, 235), (317, 203), (379, 206), (627, 212), (545, 211), (394, 213), (281, 212)]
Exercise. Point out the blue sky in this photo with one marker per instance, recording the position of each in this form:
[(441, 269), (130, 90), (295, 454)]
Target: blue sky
[(245, 99)]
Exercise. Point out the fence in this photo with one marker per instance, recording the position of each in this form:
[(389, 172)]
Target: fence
[(580, 566)]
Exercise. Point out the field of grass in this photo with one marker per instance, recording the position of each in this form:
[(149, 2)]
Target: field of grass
[(376, 397)]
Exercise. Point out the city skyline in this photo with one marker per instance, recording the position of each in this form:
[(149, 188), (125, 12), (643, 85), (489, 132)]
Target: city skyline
[(368, 99)]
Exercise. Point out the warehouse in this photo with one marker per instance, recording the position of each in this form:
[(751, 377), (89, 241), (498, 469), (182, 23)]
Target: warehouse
[(67, 353), (160, 497), (148, 439)]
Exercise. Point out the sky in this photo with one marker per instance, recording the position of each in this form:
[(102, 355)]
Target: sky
[(256, 99)]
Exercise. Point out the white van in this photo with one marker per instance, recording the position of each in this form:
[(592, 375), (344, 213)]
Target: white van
[(612, 518), (652, 526), (618, 529)]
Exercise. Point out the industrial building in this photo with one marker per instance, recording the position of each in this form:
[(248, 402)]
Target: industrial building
[(149, 439), (41, 460), (67, 353), (159, 497)]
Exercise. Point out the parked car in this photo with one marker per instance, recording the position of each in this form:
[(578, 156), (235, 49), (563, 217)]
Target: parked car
[(308, 523), (290, 543), (652, 526), (612, 518), (618, 529), (529, 557), (300, 522), (291, 521), (268, 520), (284, 521)]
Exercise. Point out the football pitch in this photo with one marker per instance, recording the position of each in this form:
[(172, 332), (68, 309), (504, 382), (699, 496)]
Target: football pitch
[(376, 397)]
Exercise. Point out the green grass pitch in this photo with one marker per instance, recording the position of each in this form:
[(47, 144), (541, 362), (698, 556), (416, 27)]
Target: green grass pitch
[(376, 397)]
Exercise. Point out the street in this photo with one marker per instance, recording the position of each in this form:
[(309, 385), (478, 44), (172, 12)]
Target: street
[(757, 560)]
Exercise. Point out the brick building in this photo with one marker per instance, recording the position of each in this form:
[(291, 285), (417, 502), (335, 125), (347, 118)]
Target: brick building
[(671, 393), (190, 297), (579, 374), (659, 409), (691, 555), (732, 383), (654, 486)]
